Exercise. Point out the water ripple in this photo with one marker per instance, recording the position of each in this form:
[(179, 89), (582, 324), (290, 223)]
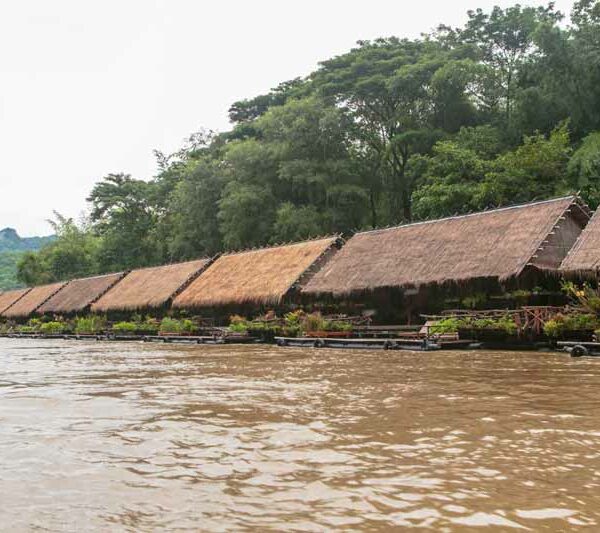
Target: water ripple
[(142, 437)]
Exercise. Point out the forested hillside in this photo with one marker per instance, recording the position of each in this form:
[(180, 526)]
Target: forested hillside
[(12, 248), (503, 110)]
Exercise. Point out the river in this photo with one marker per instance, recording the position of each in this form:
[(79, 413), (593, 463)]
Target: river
[(141, 437)]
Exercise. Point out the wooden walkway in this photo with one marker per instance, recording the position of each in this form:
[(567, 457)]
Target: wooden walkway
[(412, 344)]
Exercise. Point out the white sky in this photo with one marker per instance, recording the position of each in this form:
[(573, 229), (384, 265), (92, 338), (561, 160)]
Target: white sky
[(92, 87)]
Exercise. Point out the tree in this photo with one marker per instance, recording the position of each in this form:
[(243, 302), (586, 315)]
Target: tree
[(535, 170), (454, 174), (398, 106), (246, 215), (190, 228), (124, 215), (245, 111), (505, 41), (73, 254), (33, 270), (584, 169), (565, 77)]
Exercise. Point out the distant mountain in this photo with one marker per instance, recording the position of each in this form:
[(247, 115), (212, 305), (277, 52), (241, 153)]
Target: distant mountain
[(12, 246), (10, 241)]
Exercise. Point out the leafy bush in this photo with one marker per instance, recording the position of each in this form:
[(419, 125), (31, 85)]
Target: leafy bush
[(585, 296), (553, 328), (26, 329), (187, 325), (148, 325), (447, 325), (90, 325), (172, 325), (125, 327), (53, 328), (337, 325), (238, 324), (507, 324), (314, 322), (561, 323), (453, 324), (294, 319), (35, 323)]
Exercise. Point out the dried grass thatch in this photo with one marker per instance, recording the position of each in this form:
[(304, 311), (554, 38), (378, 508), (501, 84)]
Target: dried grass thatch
[(496, 244), (79, 294), (584, 257), (9, 298), (30, 302), (262, 276), (149, 288)]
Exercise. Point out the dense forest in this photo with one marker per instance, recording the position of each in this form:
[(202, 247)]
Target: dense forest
[(503, 110)]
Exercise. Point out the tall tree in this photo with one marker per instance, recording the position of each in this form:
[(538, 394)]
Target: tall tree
[(124, 215), (387, 87), (504, 41)]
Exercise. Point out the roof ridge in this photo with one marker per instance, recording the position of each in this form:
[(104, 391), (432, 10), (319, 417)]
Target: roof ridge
[(572, 197), (129, 271), (332, 237), (96, 276)]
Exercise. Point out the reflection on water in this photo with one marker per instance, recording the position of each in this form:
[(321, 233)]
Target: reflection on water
[(100, 436)]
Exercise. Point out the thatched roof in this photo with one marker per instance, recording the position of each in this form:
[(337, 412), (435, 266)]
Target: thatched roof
[(584, 257), (79, 294), (149, 288), (8, 298), (496, 244), (261, 276), (30, 302)]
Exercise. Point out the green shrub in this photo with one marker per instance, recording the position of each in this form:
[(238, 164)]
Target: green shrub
[(337, 325), (553, 328), (26, 329), (585, 296), (447, 325), (33, 326), (294, 319), (172, 325), (149, 325), (125, 327), (187, 325), (314, 322), (53, 328), (90, 325), (453, 324), (238, 324), (576, 322), (507, 324)]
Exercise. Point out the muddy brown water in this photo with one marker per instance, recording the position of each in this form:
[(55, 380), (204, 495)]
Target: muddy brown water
[(140, 437)]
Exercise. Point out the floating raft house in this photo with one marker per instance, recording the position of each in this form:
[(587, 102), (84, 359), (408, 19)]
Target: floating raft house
[(497, 244), (584, 258), (9, 298), (78, 295), (30, 302), (258, 277), (149, 288)]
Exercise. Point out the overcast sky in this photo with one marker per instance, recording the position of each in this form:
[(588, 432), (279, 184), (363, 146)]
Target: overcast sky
[(92, 87)]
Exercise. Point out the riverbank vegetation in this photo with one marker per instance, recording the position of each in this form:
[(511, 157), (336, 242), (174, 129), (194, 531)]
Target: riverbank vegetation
[(504, 109)]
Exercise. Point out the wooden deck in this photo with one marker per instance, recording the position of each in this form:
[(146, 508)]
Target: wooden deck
[(182, 339), (399, 343)]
